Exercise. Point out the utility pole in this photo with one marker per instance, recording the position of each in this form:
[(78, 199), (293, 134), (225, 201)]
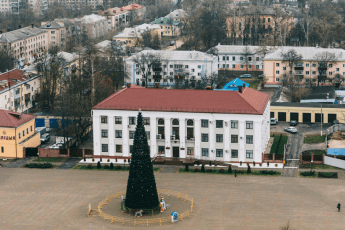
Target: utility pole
[(321, 119)]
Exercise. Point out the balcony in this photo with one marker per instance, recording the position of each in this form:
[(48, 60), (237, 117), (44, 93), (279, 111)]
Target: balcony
[(298, 73), (190, 138), (174, 137), (157, 76), (157, 69), (160, 137)]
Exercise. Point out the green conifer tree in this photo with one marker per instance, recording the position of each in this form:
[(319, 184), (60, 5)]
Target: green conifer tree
[(141, 186)]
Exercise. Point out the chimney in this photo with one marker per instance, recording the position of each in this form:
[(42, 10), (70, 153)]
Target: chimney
[(128, 85), (19, 26), (244, 85), (32, 25), (240, 89)]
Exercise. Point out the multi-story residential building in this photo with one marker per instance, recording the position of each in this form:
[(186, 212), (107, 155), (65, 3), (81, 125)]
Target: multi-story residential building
[(169, 27), (170, 67), (14, 6), (178, 15), (122, 17), (58, 31), (17, 91), (241, 58), (230, 126), (317, 65), (92, 26), (133, 36), (25, 43), (77, 3)]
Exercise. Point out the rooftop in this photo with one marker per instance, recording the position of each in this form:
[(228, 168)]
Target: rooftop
[(14, 76), (321, 92), (234, 84), (249, 101), (307, 105), (89, 19), (20, 34), (136, 31), (179, 13), (234, 49), (166, 21), (177, 55), (68, 57), (13, 119), (117, 10)]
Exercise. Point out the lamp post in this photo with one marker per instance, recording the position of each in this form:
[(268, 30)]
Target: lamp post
[(311, 165), (38, 155)]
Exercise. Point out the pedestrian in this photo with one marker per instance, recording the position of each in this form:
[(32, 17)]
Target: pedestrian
[(338, 206), (235, 173)]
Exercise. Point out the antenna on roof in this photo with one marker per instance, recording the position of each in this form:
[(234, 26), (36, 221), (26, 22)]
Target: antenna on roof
[(139, 109)]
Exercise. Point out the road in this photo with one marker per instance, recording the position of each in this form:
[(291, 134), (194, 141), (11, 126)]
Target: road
[(178, 44)]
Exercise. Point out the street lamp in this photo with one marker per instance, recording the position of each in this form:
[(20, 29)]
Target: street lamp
[(311, 165), (38, 155)]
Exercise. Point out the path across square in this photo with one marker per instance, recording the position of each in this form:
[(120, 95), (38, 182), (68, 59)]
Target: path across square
[(58, 199)]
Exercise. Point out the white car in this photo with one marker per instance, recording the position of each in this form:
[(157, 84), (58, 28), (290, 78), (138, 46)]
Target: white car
[(291, 129), (54, 146), (273, 121)]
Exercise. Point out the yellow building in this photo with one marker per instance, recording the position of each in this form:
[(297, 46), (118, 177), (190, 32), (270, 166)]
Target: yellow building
[(17, 131), (307, 112)]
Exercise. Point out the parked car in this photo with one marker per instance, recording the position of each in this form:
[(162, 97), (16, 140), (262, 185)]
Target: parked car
[(172, 43), (291, 130), (45, 137), (335, 122), (293, 122), (273, 121), (247, 75), (54, 146)]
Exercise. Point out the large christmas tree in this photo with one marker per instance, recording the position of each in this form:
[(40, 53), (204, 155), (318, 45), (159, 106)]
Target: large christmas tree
[(141, 187)]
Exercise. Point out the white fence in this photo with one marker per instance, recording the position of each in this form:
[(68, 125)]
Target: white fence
[(334, 128), (334, 162)]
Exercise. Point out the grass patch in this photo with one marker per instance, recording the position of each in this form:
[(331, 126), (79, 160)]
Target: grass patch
[(38, 165), (313, 139), (307, 166), (239, 172), (50, 159), (279, 146), (314, 174), (116, 168), (308, 174), (254, 84)]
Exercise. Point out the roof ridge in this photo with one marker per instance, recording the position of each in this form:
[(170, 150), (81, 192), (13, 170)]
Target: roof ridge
[(241, 95), (7, 115), (110, 97)]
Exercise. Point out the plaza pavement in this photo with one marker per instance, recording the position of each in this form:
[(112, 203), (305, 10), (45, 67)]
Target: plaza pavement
[(58, 199)]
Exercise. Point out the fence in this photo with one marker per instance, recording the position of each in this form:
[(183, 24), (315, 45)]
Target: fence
[(334, 162), (64, 152), (307, 159), (334, 128)]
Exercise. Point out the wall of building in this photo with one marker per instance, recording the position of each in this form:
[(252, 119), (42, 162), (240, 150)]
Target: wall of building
[(32, 142)]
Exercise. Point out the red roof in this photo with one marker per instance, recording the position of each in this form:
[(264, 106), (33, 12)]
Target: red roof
[(16, 74), (13, 119), (249, 101)]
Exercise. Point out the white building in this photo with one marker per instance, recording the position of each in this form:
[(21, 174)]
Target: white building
[(17, 91), (171, 66), (92, 26), (241, 58), (223, 125)]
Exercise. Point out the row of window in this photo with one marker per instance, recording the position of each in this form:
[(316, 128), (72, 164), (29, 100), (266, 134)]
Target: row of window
[(171, 66), (241, 66), (204, 151), (241, 58), (204, 122), (314, 80), (27, 132), (313, 72)]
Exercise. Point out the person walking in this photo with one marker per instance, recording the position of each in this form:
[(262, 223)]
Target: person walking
[(235, 173), (338, 207)]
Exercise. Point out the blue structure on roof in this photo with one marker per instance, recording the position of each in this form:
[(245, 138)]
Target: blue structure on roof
[(233, 85)]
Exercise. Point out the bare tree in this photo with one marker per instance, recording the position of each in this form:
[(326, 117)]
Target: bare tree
[(247, 57), (145, 63), (324, 60), (7, 59)]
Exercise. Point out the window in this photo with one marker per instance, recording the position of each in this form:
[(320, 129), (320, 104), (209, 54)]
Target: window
[(131, 134), (119, 148), (104, 133), (219, 138), (249, 125), (19, 135), (249, 139), (268, 19), (234, 138), (241, 58), (233, 58), (204, 152), (193, 70), (204, 123), (330, 73), (204, 137), (330, 65), (161, 149), (186, 66), (314, 65), (190, 122), (148, 135), (307, 72), (223, 58), (199, 66), (277, 71), (104, 148), (104, 119), (257, 58), (249, 154), (131, 148), (234, 124), (146, 121), (223, 65), (27, 130), (234, 153), (23, 133), (277, 64), (249, 58), (132, 120), (241, 66), (337, 69), (250, 66), (118, 120), (199, 74), (160, 121), (277, 79), (314, 72), (175, 122), (330, 80), (227, 58), (219, 152), (284, 68), (118, 133), (233, 66), (219, 123), (31, 128), (171, 66), (2, 149), (307, 65)]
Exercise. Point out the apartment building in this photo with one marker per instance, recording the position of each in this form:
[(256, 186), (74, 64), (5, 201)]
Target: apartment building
[(169, 27), (241, 58), (92, 26), (17, 91), (58, 32), (121, 17), (25, 43), (14, 6), (317, 65), (133, 36), (170, 67), (230, 126), (178, 15)]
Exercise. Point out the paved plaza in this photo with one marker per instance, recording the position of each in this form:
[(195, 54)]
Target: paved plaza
[(58, 199)]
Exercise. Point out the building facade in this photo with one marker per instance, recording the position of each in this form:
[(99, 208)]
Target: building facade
[(169, 27), (92, 26), (17, 91), (25, 43), (171, 66), (58, 32), (210, 125), (323, 65), (17, 132)]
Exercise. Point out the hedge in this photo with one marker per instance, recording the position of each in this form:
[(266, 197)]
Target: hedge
[(39, 165)]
